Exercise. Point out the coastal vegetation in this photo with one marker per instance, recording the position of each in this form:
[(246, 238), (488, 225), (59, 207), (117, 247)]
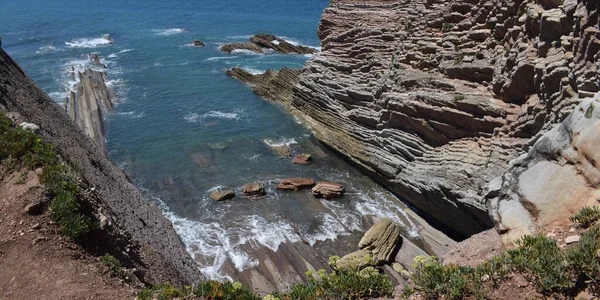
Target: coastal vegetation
[(23, 150), (559, 272)]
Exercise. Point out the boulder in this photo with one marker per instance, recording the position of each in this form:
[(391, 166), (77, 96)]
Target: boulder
[(222, 195), (198, 43), (254, 189), (228, 48), (378, 246), (328, 190), (295, 184), (261, 42), (302, 159), (30, 127)]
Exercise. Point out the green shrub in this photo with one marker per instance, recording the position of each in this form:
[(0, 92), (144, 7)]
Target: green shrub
[(364, 284), (459, 97), (540, 257), (447, 27), (584, 258), (586, 216), (435, 279), (109, 264), (20, 148), (210, 290)]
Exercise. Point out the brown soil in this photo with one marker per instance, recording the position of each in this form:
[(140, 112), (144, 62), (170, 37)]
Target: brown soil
[(36, 262)]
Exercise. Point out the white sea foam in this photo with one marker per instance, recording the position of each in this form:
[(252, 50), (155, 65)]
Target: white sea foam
[(46, 49), (131, 114), (329, 229), (197, 118), (281, 142), (253, 71), (245, 52), (169, 31), (104, 40), (216, 58), (378, 204)]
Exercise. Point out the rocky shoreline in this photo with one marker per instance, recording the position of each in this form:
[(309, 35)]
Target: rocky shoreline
[(434, 99)]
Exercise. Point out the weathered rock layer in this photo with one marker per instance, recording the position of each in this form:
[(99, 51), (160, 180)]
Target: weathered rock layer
[(434, 98)]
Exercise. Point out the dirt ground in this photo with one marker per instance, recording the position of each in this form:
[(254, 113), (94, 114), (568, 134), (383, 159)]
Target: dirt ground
[(36, 262)]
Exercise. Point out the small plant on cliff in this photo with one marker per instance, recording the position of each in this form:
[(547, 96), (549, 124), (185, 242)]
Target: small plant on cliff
[(586, 216), (364, 284), (210, 290), (459, 97), (110, 265), (19, 149), (447, 27)]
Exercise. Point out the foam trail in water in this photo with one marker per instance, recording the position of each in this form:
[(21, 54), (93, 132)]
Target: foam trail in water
[(169, 31), (105, 40), (281, 142), (196, 118)]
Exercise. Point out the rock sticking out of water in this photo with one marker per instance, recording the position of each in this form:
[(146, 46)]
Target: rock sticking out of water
[(90, 98), (262, 42), (295, 184), (328, 190), (302, 159), (222, 195), (198, 43), (254, 189)]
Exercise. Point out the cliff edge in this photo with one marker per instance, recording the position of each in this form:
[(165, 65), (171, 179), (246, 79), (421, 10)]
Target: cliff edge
[(135, 231)]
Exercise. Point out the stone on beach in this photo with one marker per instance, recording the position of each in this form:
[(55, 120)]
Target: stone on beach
[(254, 189), (222, 195), (295, 184), (328, 190)]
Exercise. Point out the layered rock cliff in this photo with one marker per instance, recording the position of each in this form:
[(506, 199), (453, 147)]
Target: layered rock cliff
[(90, 99), (133, 230), (434, 98)]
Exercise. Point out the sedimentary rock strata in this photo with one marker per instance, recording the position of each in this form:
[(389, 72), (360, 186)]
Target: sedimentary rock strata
[(90, 99), (434, 98), (261, 43)]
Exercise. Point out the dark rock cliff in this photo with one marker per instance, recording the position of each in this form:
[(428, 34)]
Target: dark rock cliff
[(433, 98), (136, 232)]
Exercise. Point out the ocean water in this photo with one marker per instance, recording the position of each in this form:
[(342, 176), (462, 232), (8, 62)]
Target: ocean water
[(181, 128)]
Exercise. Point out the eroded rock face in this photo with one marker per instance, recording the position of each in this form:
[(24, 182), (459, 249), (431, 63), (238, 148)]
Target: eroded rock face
[(554, 180), (263, 42), (435, 98), (92, 97)]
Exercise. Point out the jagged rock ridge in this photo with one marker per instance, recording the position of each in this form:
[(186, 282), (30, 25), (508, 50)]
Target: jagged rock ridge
[(90, 99), (434, 98)]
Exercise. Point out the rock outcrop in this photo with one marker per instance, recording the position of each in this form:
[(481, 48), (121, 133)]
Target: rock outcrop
[(268, 42), (554, 180), (378, 246), (135, 231), (327, 190), (91, 98), (434, 98), (295, 184)]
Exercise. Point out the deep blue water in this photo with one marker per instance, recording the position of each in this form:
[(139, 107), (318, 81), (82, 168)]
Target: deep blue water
[(182, 128)]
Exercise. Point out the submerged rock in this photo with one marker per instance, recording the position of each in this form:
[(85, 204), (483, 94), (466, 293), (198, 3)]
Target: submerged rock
[(328, 190), (302, 159), (222, 195), (254, 189), (295, 184)]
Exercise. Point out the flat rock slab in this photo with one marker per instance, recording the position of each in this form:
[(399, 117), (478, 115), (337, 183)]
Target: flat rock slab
[(254, 189), (222, 195), (302, 159), (328, 190), (295, 184), (572, 239)]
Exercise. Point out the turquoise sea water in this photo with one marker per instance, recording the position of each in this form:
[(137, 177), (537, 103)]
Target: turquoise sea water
[(182, 128)]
